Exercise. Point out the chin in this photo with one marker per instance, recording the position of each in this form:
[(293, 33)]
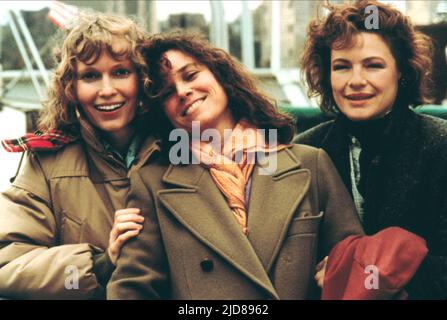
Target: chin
[(111, 128), (359, 116)]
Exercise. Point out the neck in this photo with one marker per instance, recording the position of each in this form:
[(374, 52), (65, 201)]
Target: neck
[(120, 140), (225, 126), (223, 123)]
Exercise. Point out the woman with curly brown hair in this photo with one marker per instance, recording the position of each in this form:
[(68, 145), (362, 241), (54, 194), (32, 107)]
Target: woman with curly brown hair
[(392, 160), (228, 226), (63, 221)]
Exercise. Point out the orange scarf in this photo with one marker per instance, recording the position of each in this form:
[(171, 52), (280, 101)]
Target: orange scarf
[(232, 168)]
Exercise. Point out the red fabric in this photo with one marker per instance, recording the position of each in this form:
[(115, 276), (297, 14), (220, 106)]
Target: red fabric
[(62, 15), (38, 141), (394, 252)]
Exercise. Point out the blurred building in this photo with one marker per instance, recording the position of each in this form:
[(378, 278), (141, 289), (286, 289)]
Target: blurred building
[(262, 21), (295, 16), (144, 10), (234, 38), (425, 12), (191, 22), (287, 20)]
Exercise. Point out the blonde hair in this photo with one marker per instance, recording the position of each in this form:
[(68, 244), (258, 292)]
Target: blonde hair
[(91, 33)]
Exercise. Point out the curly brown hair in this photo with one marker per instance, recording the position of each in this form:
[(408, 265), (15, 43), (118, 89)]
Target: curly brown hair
[(244, 98), (91, 33), (411, 49)]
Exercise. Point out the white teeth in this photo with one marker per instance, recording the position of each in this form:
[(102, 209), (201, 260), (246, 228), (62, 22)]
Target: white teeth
[(194, 106), (110, 107)]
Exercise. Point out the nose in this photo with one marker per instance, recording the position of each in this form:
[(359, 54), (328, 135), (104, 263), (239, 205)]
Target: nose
[(357, 79), (183, 91), (107, 88)]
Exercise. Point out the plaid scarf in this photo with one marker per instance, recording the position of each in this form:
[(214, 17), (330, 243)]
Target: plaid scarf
[(38, 141)]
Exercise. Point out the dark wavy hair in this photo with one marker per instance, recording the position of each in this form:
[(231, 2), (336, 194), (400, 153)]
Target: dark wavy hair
[(411, 49), (244, 98)]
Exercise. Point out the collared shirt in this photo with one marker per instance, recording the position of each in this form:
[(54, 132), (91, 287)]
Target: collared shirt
[(354, 161), (132, 151)]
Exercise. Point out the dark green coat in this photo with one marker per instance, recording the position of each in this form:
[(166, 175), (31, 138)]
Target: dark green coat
[(407, 185)]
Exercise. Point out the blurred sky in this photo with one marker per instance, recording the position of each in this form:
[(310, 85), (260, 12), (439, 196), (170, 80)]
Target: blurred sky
[(164, 8)]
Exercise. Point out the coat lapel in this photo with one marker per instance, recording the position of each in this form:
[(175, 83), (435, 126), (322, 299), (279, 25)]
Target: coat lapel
[(336, 144), (273, 201), (197, 203)]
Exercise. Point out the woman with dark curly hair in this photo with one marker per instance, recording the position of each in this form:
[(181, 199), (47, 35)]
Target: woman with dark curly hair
[(392, 160), (224, 227)]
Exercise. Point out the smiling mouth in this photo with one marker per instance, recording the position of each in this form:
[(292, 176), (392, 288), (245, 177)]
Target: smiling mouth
[(109, 107), (359, 97), (192, 107)]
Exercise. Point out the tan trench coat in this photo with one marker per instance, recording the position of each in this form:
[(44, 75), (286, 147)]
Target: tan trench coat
[(56, 218), (191, 246)]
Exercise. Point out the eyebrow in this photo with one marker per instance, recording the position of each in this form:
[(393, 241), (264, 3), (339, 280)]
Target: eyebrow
[(366, 59), (118, 64)]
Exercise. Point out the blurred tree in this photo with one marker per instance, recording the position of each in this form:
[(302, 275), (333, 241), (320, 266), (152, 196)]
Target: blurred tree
[(41, 30)]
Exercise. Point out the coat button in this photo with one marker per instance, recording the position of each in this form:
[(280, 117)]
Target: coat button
[(207, 265)]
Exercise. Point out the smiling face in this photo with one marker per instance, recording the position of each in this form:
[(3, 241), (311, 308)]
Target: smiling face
[(194, 95), (364, 78), (107, 92)]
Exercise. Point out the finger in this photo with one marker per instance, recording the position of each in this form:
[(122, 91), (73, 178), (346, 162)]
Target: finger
[(123, 238), (119, 228), (319, 265), (114, 233), (321, 283), (319, 279), (125, 226), (127, 211), (317, 276), (322, 263), (129, 218)]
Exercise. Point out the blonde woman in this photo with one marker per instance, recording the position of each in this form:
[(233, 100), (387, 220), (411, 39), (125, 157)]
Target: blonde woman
[(62, 224)]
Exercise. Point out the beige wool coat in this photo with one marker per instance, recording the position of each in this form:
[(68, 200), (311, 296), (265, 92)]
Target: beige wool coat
[(191, 246), (56, 218)]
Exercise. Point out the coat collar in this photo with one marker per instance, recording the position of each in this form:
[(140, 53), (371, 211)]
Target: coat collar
[(197, 203), (103, 166), (336, 144)]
